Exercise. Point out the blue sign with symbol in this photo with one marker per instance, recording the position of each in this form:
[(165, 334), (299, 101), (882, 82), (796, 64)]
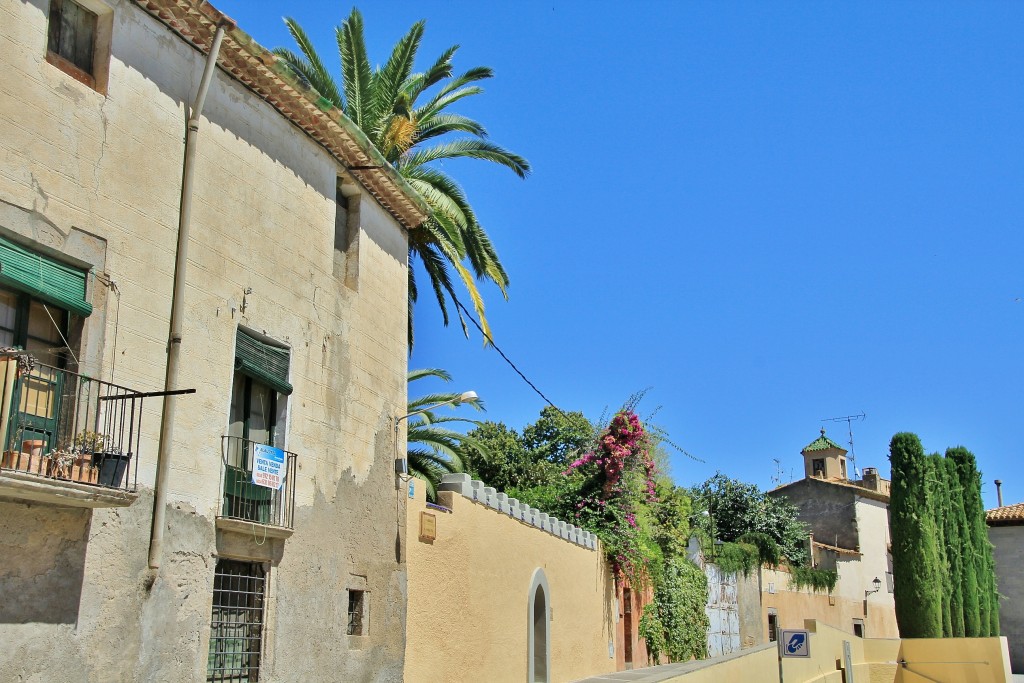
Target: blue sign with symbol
[(795, 643)]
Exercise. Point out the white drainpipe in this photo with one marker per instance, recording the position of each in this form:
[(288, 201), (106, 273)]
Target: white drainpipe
[(163, 464)]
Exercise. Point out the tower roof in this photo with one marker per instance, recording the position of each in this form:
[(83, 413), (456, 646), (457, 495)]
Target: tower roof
[(822, 443)]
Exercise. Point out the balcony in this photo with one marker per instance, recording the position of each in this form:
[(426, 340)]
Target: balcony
[(258, 486), (68, 439)]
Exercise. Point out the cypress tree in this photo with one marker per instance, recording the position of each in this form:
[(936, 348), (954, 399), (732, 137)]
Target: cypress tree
[(954, 547), (937, 506), (916, 575), (978, 595)]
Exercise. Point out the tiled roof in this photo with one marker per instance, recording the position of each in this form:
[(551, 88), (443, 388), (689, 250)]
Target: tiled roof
[(1008, 514), (837, 549), (268, 77), (822, 443)]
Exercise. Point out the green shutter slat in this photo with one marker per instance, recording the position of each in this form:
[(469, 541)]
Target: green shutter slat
[(262, 361), (43, 277)]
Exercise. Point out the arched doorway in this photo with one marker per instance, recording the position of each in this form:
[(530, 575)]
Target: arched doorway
[(539, 638)]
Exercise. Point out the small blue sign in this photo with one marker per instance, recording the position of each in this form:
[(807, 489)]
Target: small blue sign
[(268, 466), (795, 643)]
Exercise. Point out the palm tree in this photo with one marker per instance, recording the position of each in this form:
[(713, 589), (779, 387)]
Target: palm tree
[(435, 450), (384, 103)]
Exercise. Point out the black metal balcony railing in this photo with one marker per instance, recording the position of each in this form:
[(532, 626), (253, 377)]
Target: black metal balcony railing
[(246, 500), (59, 424)]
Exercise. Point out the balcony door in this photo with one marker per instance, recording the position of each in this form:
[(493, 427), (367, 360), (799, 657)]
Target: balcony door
[(41, 330)]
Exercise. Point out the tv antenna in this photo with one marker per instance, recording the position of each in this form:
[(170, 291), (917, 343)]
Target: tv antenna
[(777, 479), (849, 420)]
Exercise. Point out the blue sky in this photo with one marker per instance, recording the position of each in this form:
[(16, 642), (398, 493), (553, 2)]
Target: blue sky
[(768, 213)]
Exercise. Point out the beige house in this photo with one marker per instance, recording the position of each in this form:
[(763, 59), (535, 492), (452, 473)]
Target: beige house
[(1006, 533), (276, 548), (849, 523)]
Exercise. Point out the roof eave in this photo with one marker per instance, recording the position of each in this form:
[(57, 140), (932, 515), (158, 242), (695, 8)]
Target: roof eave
[(262, 72)]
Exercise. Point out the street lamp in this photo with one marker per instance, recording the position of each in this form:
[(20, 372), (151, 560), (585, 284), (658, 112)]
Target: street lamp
[(877, 583), (401, 463)]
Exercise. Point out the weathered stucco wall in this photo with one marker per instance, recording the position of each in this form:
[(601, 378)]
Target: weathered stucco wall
[(1008, 551), (469, 592), (839, 610), (827, 509), (96, 178)]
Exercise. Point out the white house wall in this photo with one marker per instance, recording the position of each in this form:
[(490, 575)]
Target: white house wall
[(97, 179)]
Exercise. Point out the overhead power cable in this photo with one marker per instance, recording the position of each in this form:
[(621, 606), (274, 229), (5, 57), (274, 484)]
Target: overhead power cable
[(502, 354)]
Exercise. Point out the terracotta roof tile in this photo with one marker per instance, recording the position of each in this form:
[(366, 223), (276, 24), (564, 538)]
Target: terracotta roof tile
[(262, 72), (1008, 514)]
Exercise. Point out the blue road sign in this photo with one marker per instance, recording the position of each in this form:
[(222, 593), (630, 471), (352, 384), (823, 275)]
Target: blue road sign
[(795, 643)]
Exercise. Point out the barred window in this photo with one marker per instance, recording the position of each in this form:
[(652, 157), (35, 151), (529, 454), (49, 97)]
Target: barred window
[(356, 607), (236, 627)]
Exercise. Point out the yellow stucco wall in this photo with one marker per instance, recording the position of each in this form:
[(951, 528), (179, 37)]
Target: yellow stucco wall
[(959, 660), (875, 660), (468, 598)]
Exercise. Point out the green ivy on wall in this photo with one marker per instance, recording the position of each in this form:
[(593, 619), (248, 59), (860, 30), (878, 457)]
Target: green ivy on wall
[(818, 580)]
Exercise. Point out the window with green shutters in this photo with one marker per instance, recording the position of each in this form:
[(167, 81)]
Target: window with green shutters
[(43, 277), (262, 361), (258, 396)]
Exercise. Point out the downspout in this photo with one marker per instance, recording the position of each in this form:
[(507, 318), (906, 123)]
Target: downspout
[(163, 464)]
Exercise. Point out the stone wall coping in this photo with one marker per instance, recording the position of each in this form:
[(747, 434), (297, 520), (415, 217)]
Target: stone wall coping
[(479, 492)]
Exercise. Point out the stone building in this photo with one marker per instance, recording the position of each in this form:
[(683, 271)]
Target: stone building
[(849, 533), (1006, 533), (276, 553)]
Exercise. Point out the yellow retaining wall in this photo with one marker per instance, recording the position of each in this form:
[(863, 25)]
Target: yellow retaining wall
[(956, 660), (875, 660), (468, 597), (947, 660)]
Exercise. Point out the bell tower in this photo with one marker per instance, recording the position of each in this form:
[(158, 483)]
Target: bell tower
[(824, 459)]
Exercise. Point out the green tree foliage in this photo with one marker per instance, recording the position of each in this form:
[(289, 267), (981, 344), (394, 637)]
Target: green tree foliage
[(977, 550), (405, 115), (529, 466), (676, 624), (938, 506), (954, 524), (916, 572), (736, 508), (433, 449)]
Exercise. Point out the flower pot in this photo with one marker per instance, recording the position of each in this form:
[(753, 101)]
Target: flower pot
[(87, 474), (26, 462), (33, 447), (112, 468)]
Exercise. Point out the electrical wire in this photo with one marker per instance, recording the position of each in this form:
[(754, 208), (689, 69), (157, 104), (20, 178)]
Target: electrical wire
[(504, 357)]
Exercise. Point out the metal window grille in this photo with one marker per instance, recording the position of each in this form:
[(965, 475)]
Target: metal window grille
[(355, 612), (236, 627)]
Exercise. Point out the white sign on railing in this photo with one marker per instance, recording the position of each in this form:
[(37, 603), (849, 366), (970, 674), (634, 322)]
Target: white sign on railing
[(268, 466)]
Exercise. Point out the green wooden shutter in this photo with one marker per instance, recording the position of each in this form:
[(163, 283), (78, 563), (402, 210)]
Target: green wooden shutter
[(262, 361), (43, 277)]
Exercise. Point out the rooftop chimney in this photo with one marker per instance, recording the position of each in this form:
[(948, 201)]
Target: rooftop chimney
[(999, 491)]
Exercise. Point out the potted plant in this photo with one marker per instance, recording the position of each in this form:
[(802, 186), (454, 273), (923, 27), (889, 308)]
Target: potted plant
[(72, 464), (112, 464)]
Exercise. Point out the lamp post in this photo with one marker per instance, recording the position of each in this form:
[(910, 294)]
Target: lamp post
[(877, 583), (402, 463)]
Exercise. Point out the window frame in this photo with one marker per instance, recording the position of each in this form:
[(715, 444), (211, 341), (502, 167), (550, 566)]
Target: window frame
[(20, 335), (358, 622), (260, 574), (98, 76)]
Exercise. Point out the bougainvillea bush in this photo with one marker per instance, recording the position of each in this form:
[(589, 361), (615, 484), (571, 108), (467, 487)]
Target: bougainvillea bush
[(614, 487)]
